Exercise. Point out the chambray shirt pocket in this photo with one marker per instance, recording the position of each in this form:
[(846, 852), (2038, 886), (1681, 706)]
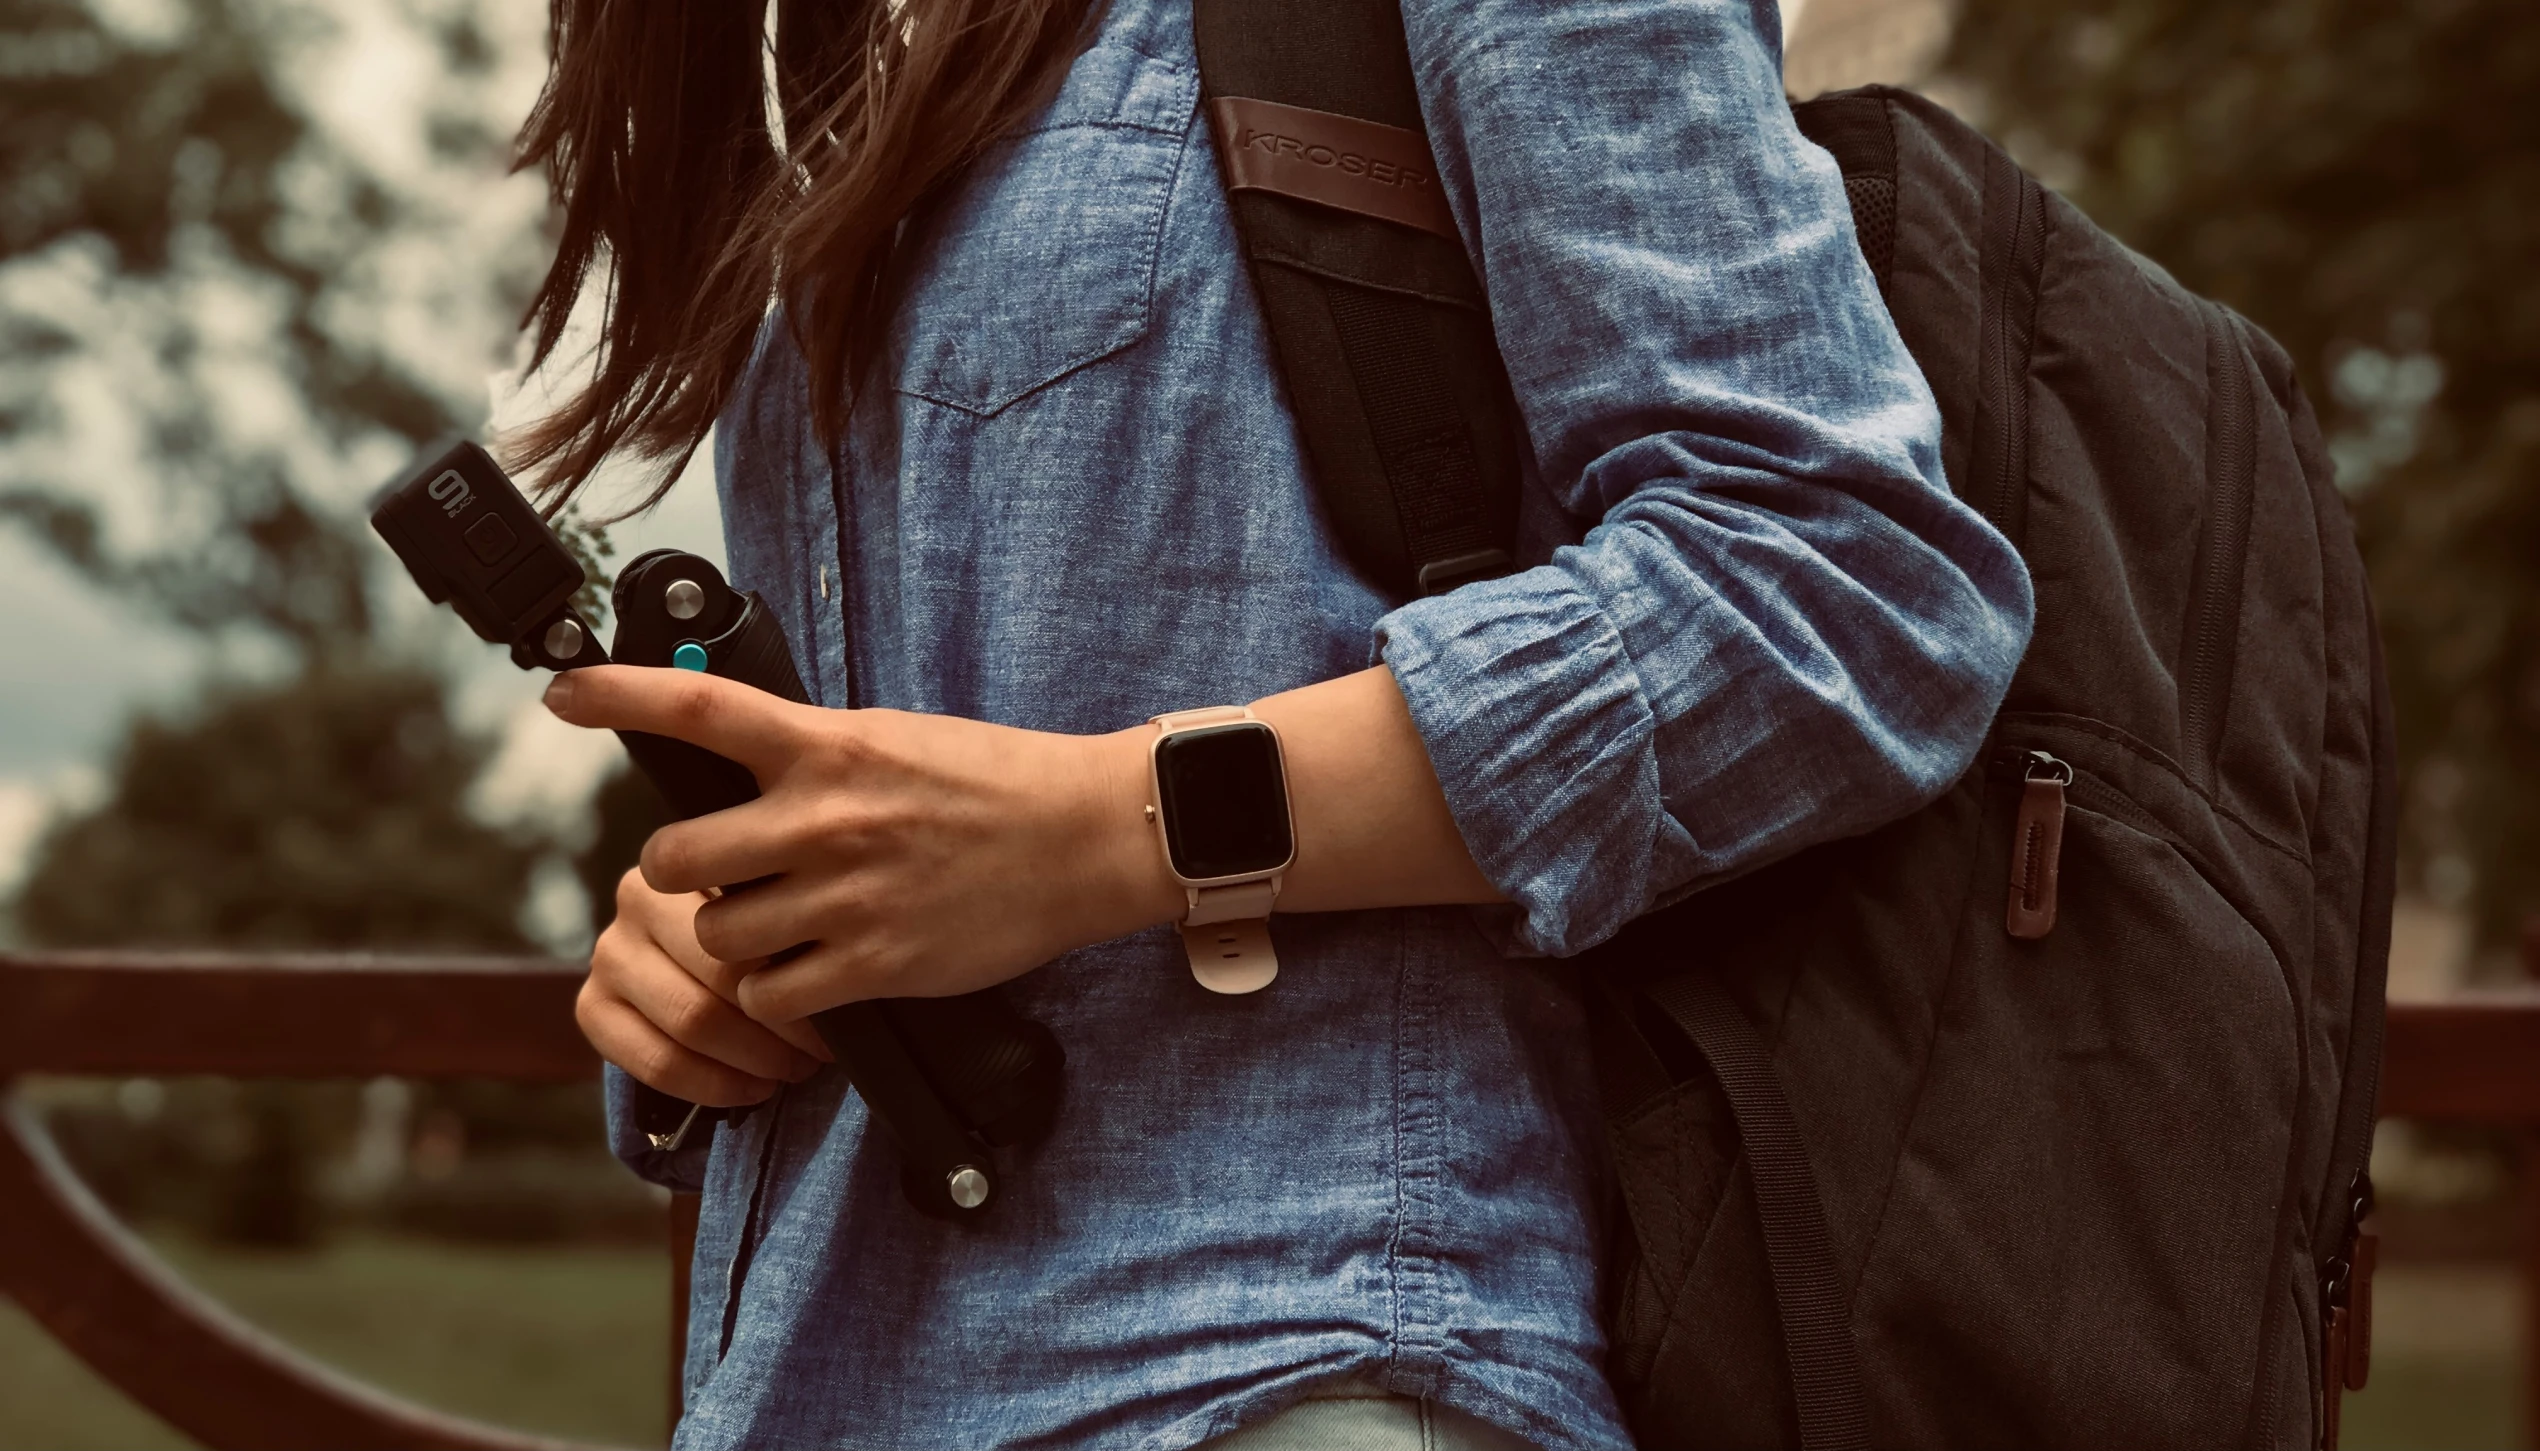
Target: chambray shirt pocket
[(1047, 261)]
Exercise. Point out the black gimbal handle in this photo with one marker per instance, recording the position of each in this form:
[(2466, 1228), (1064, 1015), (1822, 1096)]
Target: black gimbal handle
[(945, 1077), (995, 1077)]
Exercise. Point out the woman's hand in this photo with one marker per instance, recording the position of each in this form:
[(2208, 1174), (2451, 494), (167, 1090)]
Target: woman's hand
[(657, 1005), (920, 855)]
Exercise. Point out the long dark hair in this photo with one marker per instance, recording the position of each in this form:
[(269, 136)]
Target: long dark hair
[(655, 132)]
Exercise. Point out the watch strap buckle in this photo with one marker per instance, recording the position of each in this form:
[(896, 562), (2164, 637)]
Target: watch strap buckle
[(1231, 903)]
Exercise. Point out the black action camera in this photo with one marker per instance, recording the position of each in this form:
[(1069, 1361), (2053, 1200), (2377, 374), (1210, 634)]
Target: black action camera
[(945, 1077)]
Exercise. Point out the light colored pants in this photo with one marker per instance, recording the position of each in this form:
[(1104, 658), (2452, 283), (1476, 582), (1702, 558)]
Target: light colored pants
[(1356, 1416)]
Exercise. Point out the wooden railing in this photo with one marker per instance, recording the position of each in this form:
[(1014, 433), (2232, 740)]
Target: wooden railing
[(100, 1291), (2475, 1058)]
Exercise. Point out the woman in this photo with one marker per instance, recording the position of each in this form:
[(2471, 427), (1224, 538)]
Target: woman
[(1012, 464)]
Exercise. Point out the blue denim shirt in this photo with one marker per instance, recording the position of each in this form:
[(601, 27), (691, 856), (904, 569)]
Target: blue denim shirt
[(1754, 620)]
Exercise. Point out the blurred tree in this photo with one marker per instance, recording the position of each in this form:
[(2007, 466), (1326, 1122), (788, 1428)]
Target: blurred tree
[(170, 194), (174, 217), (2358, 178), (323, 812)]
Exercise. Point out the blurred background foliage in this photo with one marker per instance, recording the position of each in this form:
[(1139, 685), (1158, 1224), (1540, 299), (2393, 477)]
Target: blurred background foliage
[(172, 214), (168, 174)]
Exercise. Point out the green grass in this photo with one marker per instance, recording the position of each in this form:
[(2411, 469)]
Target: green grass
[(2442, 1362), (50, 1402), (2417, 1404), (572, 1341), (567, 1341)]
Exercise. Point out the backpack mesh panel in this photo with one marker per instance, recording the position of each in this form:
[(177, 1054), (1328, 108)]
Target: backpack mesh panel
[(1873, 201)]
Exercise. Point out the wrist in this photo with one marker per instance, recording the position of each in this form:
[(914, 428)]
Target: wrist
[(1128, 858)]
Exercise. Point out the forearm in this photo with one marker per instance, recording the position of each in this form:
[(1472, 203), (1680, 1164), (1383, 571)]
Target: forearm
[(1372, 826), (924, 855)]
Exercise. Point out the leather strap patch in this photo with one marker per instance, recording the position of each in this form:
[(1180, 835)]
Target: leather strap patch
[(1357, 166)]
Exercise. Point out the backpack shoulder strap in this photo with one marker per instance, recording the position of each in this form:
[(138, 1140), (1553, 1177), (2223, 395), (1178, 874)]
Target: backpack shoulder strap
[(1381, 331)]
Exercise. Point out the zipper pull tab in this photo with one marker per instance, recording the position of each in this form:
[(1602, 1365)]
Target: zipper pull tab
[(2037, 847)]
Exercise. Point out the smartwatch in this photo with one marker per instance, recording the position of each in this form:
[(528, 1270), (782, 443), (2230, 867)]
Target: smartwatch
[(1221, 808)]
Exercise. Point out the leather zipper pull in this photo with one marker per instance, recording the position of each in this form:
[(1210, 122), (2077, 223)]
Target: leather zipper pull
[(2037, 847)]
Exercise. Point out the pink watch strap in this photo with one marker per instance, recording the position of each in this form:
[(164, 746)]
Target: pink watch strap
[(1231, 957)]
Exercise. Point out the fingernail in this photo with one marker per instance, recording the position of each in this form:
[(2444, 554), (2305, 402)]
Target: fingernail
[(560, 693)]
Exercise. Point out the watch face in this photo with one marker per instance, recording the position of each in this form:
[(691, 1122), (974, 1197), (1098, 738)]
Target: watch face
[(1224, 797)]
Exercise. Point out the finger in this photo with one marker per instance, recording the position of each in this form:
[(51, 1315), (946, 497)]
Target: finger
[(735, 721), (800, 1033), (623, 1037), (670, 922), (723, 849), (724, 980), (774, 916), (823, 978), (644, 977)]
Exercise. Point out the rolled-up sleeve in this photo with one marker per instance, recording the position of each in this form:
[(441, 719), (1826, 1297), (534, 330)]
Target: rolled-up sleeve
[(1782, 629)]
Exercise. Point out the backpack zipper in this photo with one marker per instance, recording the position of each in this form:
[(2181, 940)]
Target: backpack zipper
[(2037, 846), (2013, 256), (2350, 1157), (2346, 1308), (2214, 597)]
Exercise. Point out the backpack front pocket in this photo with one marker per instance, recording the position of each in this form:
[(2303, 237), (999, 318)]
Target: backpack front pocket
[(2091, 1198)]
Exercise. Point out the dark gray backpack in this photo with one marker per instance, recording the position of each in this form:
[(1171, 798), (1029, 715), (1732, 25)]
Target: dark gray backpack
[(2040, 1117)]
